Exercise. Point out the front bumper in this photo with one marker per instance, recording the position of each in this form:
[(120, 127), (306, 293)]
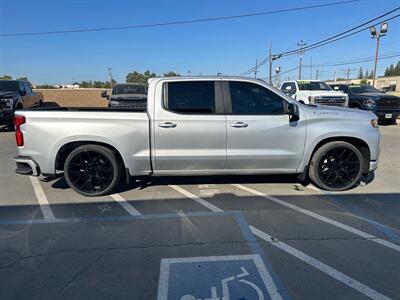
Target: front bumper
[(386, 114), (6, 116), (373, 165), (26, 166)]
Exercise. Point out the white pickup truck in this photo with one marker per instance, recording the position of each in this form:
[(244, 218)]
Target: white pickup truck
[(199, 126), (314, 92)]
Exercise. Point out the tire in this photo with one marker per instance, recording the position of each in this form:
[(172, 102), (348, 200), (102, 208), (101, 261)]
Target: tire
[(92, 170), (336, 166)]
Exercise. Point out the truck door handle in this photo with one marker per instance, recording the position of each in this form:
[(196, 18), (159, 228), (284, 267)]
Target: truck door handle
[(167, 125), (239, 125)]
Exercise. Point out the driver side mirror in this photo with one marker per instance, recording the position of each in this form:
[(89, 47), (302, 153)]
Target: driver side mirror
[(293, 112), (104, 94), (288, 90)]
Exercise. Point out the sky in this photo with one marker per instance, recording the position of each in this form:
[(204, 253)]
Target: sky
[(229, 46)]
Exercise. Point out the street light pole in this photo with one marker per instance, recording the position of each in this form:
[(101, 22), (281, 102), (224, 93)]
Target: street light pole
[(377, 36)]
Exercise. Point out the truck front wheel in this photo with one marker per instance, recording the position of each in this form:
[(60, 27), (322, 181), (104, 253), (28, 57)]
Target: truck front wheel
[(92, 170), (336, 166)]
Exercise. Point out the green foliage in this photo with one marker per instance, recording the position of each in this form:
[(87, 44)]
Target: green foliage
[(364, 81), (360, 73), (5, 77), (393, 70), (171, 74), (46, 86), (95, 84), (136, 77), (23, 78)]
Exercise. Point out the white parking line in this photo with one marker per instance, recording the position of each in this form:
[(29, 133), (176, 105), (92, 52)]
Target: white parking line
[(129, 208), (347, 280), (358, 286), (195, 198), (355, 231), (42, 199)]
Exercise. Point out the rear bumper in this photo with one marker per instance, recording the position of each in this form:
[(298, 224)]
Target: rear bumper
[(26, 166)]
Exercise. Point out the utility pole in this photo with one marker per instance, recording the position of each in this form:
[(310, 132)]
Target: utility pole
[(301, 44), (270, 63), (347, 75), (255, 69), (310, 67), (316, 75), (110, 76), (377, 35), (334, 76)]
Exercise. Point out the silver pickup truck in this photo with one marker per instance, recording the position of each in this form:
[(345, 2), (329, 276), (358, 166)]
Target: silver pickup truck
[(199, 126)]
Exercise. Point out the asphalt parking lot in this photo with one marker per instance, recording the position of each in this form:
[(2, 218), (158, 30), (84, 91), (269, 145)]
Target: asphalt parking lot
[(201, 238)]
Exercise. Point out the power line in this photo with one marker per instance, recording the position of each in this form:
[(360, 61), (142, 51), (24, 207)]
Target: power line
[(354, 62), (324, 41), (178, 22), (333, 38)]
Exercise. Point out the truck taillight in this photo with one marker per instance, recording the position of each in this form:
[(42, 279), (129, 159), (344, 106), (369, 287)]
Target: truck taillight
[(19, 137)]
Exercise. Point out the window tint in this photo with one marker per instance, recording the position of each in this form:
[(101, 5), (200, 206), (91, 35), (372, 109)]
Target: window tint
[(252, 99), (306, 85), (190, 97), (27, 88)]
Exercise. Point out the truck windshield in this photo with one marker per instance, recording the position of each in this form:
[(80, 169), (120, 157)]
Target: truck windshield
[(8, 86), (359, 89), (305, 85), (129, 89)]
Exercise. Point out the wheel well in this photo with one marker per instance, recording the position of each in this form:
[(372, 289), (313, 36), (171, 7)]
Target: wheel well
[(358, 143), (68, 148)]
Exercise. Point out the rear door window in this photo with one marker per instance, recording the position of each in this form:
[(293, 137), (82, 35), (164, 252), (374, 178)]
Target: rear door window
[(196, 97)]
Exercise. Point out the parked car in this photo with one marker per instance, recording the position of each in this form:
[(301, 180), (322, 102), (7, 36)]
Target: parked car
[(128, 95), (314, 92), (16, 94), (199, 126), (364, 96)]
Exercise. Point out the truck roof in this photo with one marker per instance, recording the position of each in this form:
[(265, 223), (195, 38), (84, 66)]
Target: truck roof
[(206, 77)]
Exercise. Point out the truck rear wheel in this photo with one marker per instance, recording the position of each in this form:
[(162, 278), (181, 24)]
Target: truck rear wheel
[(92, 170), (336, 166)]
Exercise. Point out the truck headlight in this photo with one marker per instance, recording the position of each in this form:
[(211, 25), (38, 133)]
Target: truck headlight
[(9, 103), (369, 103), (313, 99)]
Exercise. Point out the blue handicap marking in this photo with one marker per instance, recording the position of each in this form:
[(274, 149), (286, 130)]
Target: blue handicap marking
[(216, 278)]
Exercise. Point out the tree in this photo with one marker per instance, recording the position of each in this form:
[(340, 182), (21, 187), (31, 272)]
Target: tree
[(23, 78), (5, 77), (171, 74), (371, 74), (136, 77), (393, 70), (360, 73), (364, 81)]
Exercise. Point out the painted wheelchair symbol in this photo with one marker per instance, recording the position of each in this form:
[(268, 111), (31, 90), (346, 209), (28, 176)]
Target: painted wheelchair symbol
[(225, 288)]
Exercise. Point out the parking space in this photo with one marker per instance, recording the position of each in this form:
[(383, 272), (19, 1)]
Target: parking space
[(199, 238)]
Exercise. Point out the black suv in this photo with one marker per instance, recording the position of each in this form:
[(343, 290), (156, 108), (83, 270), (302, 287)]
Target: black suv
[(364, 96), (16, 94)]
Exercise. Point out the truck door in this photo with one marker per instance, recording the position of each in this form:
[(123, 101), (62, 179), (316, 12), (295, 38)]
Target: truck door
[(189, 128), (260, 137), (26, 94)]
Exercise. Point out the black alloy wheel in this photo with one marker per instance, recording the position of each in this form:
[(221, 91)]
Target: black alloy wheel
[(92, 170), (336, 166)]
